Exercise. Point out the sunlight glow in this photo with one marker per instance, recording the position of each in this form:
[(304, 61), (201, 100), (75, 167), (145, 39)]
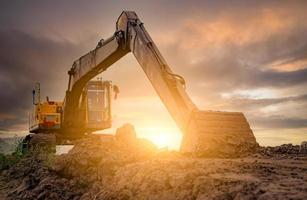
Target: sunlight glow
[(274, 137), (162, 137)]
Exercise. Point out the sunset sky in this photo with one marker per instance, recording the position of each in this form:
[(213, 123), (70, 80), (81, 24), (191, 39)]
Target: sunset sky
[(248, 56)]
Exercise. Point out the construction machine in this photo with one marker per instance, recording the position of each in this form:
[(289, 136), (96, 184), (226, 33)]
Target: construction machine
[(204, 132), (94, 113)]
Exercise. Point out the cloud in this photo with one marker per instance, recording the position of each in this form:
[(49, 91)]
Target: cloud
[(25, 59), (260, 49), (249, 103), (278, 122), (282, 112), (266, 49)]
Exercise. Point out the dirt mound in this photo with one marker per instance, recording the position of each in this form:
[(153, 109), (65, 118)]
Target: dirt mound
[(116, 170), (124, 167), (284, 150), (184, 178), (32, 178), (41, 175), (101, 155)]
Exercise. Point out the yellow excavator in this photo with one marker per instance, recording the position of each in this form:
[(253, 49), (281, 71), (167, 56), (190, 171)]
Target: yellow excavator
[(204, 132)]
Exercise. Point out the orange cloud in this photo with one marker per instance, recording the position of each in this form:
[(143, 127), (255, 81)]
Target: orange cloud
[(235, 28), (290, 66)]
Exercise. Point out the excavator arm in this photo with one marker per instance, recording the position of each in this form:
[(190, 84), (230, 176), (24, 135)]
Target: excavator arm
[(131, 36), (82, 71), (207, 132)]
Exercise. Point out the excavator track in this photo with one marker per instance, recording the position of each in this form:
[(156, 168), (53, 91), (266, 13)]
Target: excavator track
[(214, 133)]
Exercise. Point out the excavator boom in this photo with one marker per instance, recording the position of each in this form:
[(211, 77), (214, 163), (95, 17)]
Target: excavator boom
[(204, 132)]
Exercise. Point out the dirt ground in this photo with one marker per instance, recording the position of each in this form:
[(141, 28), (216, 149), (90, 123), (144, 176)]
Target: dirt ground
[(124, 167)]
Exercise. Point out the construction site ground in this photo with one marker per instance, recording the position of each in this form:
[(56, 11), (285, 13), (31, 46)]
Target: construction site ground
[(125, 167)]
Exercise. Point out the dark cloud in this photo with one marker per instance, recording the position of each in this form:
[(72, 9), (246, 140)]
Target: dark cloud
[(278, 122), (259, 119), (230, 65), (227, 73), (236, 66), (25, 59), (239, 103)]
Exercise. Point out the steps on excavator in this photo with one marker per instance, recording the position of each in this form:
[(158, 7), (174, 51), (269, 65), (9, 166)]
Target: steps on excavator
[(214, 133)]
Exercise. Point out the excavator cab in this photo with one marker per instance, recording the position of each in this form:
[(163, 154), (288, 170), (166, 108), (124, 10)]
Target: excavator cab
[(92, 114), (98, 105), (92, 111)]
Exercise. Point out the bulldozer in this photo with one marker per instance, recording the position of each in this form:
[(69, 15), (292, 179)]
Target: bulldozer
[(204, 132)]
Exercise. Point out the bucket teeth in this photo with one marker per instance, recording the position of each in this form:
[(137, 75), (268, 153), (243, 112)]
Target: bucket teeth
[(213, 133)]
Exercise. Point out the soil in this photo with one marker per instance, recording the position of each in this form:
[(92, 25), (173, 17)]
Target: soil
[(125, 167)]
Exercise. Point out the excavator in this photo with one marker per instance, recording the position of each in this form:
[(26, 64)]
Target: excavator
[(204, 132)]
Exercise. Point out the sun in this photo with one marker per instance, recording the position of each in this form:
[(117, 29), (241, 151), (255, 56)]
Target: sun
[(162, 137)]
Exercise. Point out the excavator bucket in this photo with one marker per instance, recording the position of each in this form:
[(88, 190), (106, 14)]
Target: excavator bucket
[(213, 133)]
